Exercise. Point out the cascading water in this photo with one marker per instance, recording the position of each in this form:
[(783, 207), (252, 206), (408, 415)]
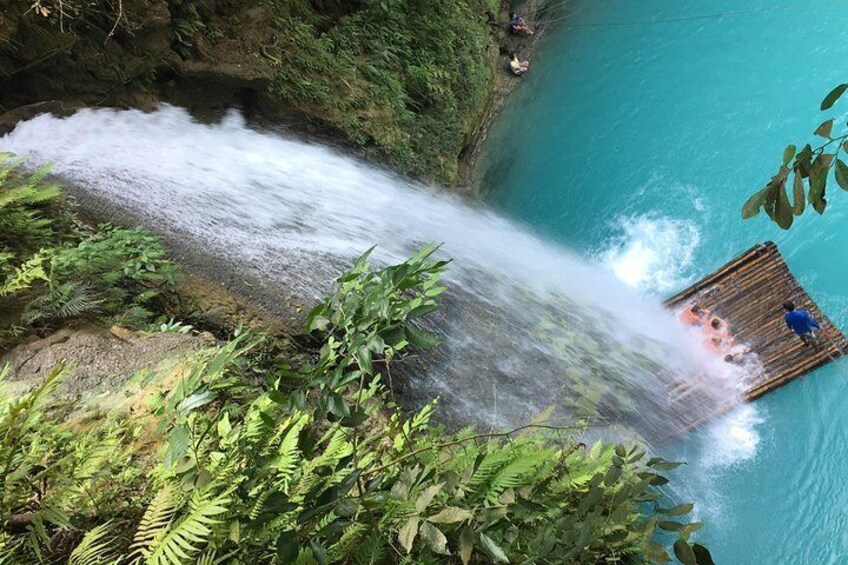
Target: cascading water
[(526, 324)]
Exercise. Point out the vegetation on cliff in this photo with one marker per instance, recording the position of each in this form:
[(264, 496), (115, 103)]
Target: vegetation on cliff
[(404, 80), (410, 77), (240, 457)]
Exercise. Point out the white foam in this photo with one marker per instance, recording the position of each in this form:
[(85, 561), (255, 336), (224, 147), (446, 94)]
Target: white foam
[(733, 438), (653, 253)]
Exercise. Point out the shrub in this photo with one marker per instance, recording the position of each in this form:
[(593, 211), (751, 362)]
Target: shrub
[(319, 466), (58, 271)]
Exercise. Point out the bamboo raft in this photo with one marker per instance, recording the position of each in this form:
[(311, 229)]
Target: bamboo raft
[(748, 293)]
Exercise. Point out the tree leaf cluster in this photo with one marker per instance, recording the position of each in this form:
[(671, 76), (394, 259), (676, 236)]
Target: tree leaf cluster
[(809, 169)]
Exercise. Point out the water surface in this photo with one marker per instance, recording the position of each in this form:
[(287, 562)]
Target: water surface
[(640, 131)]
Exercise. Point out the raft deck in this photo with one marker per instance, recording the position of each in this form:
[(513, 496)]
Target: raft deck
[(749, 293)]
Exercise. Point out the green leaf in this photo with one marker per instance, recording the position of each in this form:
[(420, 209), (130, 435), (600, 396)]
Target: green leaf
[(393, 336), (421, 338), (798, 195), (224, 426), (287, 547), (277, 397), (670, 526), (841, 174), (683, 551), (678, 510), (825, 129), (434, 538), (407, 533), (788, 153), (318, 552), (690, 528), (422, 310), (656, 553), (803, 161), (818, 182), (426, 497), (177, 445), (195, 401), (783, 209), (752, 206), (492, 549), (702, 554), (451, 515), (661, 464), (466, 544), (833, 96)]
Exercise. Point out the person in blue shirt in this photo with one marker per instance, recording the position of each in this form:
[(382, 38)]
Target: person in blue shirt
[(518, 25), (800, 322)]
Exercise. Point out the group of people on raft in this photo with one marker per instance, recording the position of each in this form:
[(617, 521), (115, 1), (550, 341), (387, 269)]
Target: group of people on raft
[(517, 25), (715, 332), (718, 339)]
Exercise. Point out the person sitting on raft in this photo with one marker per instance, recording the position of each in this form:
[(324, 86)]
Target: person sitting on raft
[(719, 339), (518, 25), (517, 66), (694, 315), (800, 322), (718, 328), (738, 355)]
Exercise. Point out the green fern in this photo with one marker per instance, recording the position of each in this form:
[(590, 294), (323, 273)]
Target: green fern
[(62, 302), (97, 547), (24, 275), (287, 460), (155, 522), (186, 536), (23, 198), (492, 462), (518, 473), (348, 541)]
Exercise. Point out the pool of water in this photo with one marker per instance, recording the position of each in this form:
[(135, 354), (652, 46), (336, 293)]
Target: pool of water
[(635, 138)]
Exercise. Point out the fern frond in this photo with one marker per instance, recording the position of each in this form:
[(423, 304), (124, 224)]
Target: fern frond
[(287, 460), (494, 460), (516, 474), (24, 275), (96, 547), (190, 533), (348, 541), (155, 522), (68, 300), (372, 550), (338, 447)]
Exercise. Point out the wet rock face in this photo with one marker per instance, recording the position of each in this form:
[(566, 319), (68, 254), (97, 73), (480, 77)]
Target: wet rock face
[(209, 55)]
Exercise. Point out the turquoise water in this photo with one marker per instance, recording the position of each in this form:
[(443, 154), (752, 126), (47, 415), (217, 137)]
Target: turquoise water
[(637, 144)]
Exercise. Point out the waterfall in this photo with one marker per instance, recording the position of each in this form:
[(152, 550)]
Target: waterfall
[(526, 324)]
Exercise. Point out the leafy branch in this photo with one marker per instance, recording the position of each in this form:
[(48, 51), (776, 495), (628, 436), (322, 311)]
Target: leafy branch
[(810, 168)]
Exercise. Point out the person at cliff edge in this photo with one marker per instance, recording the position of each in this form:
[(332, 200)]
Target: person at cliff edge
[(518, 25), (800, 322)]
